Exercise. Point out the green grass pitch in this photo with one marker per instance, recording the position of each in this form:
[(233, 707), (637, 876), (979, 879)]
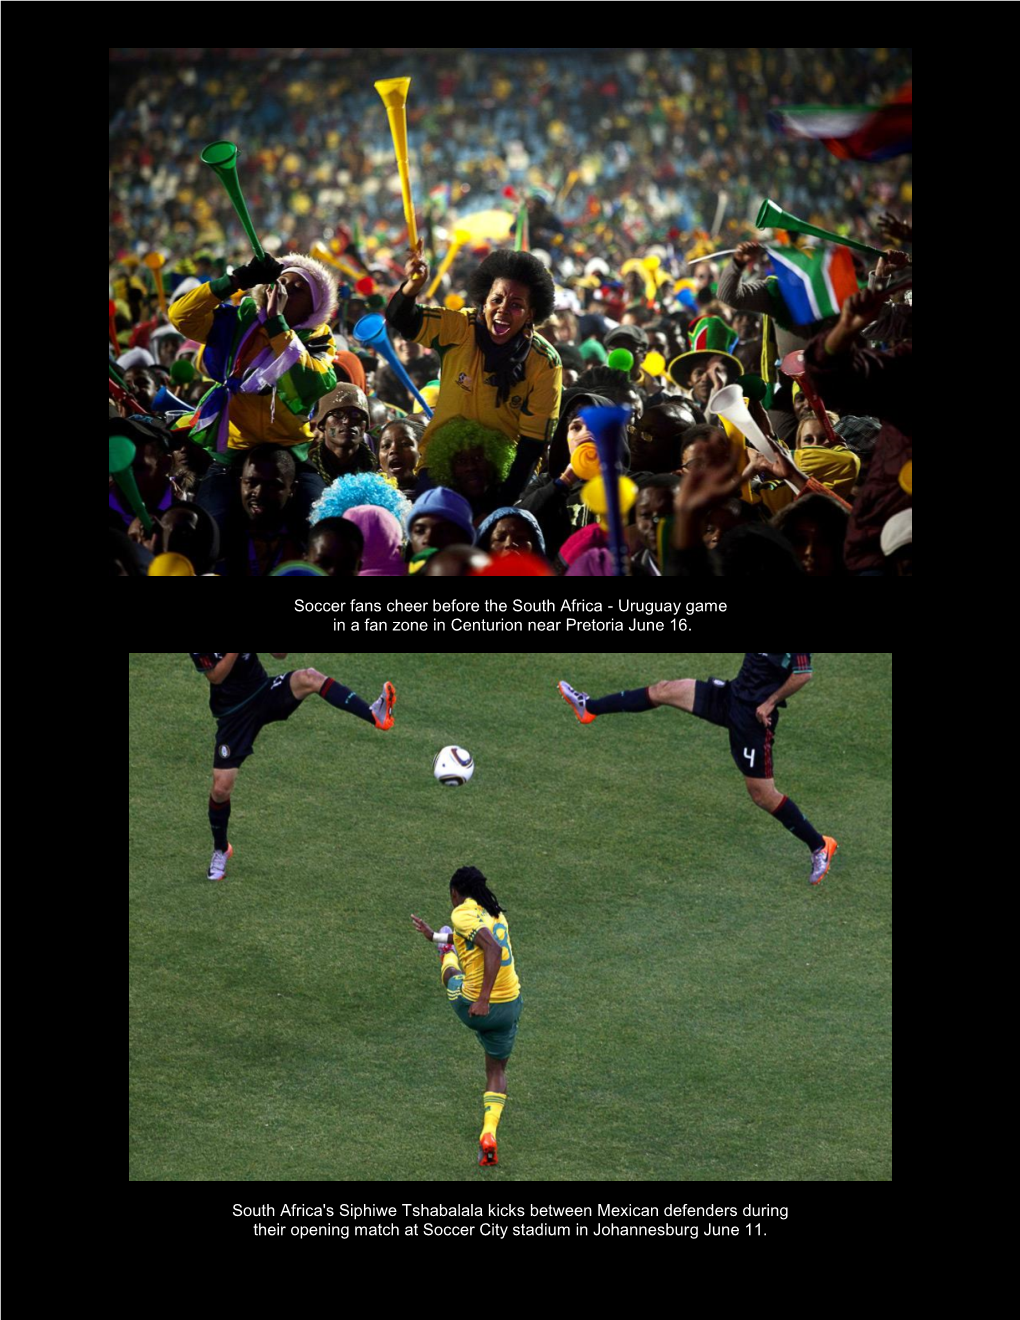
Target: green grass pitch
[(693, 1010)]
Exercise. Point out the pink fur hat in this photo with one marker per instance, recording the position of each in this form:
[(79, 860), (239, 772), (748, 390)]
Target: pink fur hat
[(325, 299)]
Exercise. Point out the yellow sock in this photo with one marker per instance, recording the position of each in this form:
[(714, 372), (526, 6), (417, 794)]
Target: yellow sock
[(457, 980), (493, 1102)]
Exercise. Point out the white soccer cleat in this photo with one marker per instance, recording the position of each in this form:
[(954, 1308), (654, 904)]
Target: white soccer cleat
[(218, 865), (822, 860), (577, 701)]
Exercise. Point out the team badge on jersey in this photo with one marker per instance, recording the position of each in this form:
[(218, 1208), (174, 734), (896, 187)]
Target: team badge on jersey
[(464, 381)]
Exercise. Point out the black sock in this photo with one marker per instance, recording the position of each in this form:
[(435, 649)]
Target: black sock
[(790, 814), (634, 701), (344, 699), (219, 814)]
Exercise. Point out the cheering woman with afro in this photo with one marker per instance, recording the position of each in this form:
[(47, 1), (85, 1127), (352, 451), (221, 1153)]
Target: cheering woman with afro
[(496, 370)]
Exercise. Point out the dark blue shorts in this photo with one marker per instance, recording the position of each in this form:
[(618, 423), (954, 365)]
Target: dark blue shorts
[(236, 732), (750, 741)]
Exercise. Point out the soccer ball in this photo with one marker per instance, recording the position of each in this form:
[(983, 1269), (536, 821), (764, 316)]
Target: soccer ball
[(453, 765)]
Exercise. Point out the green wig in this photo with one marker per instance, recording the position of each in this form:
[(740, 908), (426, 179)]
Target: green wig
[(462, 433)]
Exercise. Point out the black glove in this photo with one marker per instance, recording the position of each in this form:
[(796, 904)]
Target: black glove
[(256, 272)]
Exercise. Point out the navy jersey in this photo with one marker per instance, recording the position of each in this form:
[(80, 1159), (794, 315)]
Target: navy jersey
[(245, 679), (761, 675)]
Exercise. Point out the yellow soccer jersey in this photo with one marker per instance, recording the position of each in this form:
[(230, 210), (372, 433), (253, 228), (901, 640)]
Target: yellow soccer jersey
[(533, 408), (467, 920)]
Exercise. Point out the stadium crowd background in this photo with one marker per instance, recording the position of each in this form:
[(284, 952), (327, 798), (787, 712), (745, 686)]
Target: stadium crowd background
[(621, 155)]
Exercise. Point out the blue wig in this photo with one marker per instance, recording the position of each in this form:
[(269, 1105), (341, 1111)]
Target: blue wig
[(360, 488)]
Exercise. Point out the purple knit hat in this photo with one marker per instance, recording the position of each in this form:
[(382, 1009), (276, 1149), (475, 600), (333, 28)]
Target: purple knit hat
[(383, 541), (589, 537), (441, 502), (593, 563)]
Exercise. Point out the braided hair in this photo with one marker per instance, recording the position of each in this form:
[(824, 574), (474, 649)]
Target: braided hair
[(470, 882)]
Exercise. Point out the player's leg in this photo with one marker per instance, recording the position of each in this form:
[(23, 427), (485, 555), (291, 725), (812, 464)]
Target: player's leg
[(493, 1101), (235, 742), (223, 786), (449, 966), (497, 1039), (219, 816), (495, 1075), (765, 795), (306, 682), (751, 746), (303, 682), (678, 692), (638, 699)]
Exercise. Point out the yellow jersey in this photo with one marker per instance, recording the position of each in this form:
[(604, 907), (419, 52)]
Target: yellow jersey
[(467, 920), (271, 417), (533, 408)]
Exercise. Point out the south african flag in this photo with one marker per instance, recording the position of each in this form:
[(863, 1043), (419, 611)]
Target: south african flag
[(814, 283)]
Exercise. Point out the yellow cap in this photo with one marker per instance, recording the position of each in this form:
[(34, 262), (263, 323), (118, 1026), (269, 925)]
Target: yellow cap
[(171, 566)]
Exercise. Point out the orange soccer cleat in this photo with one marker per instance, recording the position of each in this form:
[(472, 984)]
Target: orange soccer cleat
[(578, 702), (382, 707)]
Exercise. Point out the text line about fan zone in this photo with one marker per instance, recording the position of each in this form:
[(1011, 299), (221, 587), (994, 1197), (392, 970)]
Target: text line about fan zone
[(499, 615)]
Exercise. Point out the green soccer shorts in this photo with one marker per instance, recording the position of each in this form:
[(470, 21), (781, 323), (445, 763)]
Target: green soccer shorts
[(496, 1031)]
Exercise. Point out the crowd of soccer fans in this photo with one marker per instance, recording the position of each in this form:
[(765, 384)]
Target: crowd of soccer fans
[(623, 175)]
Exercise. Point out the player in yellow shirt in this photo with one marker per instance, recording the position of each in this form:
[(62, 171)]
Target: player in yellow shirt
[(481, 983)]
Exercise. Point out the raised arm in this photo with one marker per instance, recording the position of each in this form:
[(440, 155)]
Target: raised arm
[(752, 295), (416, 272), (402, 311)]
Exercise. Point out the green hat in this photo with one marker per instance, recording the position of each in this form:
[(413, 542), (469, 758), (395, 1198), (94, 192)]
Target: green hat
[(755, 388), (418, 561), (710, 337), (297, 568)]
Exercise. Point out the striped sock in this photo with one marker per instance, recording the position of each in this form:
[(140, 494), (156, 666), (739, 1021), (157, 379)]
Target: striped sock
[(493, 1102), (344, 699), (455, 982)]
